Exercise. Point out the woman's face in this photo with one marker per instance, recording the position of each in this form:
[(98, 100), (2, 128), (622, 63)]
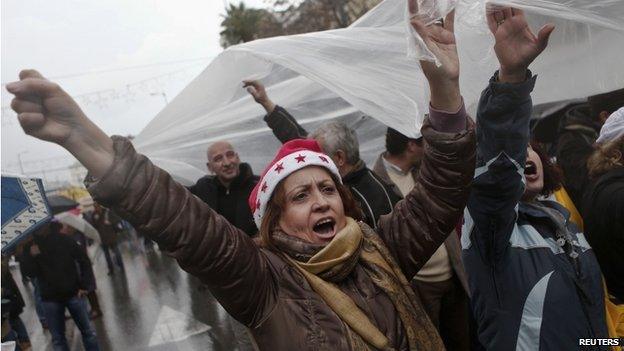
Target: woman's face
[(313, 209), (534, 175)]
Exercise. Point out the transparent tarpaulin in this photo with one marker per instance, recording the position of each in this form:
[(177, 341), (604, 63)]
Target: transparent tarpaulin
[(368, 76)]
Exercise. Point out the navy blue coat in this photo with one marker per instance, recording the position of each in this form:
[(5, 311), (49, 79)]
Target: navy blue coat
[(531, 288)]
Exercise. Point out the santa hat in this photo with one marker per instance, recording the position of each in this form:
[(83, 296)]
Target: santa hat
[(291, 157)]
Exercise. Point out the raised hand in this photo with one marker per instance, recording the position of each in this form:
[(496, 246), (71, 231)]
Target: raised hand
[(257, 91), (43, 109), (440, 39), (48, 113), (516, 46)]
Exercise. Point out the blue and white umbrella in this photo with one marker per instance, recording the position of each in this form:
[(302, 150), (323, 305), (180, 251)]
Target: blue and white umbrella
[(24, 209)]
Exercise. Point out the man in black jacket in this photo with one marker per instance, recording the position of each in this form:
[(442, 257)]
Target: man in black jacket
[(376, 197), (64, 272), (228, 189)]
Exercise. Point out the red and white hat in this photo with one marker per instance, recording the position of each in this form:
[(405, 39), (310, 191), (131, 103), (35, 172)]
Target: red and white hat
[(291, 157)]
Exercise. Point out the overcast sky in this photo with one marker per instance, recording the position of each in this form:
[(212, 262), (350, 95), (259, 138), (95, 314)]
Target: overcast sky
[(148, 49)]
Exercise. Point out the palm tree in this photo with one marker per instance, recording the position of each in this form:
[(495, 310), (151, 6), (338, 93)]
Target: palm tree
[(241, 24)]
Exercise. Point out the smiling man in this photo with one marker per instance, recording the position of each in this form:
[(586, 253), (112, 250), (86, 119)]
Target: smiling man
[(229, 186)]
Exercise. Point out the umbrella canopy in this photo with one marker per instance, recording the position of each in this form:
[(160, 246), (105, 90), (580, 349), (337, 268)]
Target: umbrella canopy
[(24, 209), (79, 224), (60, 204)]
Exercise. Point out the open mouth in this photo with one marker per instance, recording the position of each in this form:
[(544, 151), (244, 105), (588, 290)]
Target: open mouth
[(325, 228), (530, 168)]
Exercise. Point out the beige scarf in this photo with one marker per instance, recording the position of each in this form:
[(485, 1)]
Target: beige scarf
[(359, 244)]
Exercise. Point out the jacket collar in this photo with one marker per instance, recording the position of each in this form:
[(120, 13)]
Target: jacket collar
[(380, 170), (358, 171), (245, 173), (535, 211)]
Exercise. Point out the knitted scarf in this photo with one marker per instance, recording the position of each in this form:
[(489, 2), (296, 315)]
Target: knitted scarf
[(323, 266)]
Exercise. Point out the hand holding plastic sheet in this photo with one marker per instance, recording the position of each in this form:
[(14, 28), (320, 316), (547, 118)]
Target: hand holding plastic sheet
[(366, 69), (442, 76), (428, 12), (257, 90)]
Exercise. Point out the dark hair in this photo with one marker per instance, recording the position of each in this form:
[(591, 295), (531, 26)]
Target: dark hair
[(553, 176), (609, 102), (276, 206), (396, 143)]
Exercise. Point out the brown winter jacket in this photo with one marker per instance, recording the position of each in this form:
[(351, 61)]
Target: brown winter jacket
[(453, 246), (255, 285)]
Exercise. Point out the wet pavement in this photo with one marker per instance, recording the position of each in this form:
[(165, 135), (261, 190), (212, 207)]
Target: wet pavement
[(153, 305)]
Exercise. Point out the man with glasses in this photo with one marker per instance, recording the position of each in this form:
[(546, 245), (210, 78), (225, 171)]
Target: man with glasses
[(227, 190)]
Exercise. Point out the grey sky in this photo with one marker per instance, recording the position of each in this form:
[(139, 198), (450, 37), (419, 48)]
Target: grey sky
[(65, 37)]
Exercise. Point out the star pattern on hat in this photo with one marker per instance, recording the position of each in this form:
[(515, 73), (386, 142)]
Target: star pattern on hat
[(279, 167), (292, 156)]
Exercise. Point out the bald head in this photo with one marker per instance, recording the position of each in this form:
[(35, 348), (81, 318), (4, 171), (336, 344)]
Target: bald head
[(217, 146), (223, 161)]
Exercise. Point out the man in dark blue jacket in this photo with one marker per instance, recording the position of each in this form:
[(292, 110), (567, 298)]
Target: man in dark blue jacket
[(535, 283)]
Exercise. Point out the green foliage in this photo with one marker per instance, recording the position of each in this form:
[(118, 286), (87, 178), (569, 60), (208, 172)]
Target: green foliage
[(241, 24)]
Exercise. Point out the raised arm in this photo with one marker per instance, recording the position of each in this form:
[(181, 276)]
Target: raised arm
[(203, 242), (421, 222), (503, 119), (282, 123)]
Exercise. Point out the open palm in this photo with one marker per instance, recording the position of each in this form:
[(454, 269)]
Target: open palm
[(516, 45)]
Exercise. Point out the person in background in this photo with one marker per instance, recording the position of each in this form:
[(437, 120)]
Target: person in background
[(105, 221), (227, 190), (534, 281), (603, 209), (578, 131), (15, 306), (340, 142), (81, 240), (22, 249), (441, 283), (64, 272), (319, 278)]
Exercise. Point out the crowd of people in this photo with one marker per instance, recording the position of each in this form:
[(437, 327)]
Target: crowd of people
[(474, 236)]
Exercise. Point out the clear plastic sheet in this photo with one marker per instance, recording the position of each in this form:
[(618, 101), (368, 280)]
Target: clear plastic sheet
[(367, 70)]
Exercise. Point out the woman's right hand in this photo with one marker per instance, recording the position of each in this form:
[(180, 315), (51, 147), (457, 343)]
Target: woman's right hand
[(48, 113)]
